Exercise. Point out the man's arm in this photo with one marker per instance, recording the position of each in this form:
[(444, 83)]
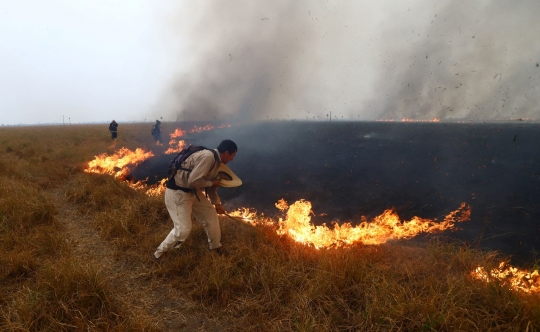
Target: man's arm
[(213, 195)]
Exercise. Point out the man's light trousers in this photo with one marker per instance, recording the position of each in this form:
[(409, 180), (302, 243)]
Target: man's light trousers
[(181, 206)]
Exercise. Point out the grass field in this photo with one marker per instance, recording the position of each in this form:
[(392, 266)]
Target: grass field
[(76, 256)]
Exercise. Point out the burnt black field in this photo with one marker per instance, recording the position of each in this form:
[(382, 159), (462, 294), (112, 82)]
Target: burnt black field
[(353, 169)]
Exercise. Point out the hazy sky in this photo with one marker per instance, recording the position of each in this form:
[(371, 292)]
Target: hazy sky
[(94, 61)]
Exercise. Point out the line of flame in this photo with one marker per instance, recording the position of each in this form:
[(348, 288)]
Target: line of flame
[(408, 120), (387, 226), (384, 227), (118, 164)]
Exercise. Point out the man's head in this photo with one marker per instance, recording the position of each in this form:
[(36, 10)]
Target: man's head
[(227, 150)]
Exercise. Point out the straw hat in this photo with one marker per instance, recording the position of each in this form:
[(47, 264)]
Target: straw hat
[(227, 177)]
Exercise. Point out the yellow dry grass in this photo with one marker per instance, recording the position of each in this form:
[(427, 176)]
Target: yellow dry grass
[(76, 256)]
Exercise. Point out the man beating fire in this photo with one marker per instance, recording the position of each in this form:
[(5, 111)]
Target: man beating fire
[(184, 197)]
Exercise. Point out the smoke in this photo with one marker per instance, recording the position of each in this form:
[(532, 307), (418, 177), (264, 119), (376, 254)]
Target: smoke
[(246, 61), (474, 61)]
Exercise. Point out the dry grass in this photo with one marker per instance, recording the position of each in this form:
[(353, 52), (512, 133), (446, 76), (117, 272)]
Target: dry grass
[(267, 283)]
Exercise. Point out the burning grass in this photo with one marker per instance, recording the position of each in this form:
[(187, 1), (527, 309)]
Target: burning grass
[(275, 283), (269, 282), (383, 228)]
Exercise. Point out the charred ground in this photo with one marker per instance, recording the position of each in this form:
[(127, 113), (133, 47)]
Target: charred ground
[(353, 169)]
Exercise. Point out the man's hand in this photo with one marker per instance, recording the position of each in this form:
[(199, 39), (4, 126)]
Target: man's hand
[(216, 183), (220, 209)]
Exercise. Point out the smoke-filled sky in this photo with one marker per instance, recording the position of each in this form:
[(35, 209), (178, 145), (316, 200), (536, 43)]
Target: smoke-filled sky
[(94, 61)]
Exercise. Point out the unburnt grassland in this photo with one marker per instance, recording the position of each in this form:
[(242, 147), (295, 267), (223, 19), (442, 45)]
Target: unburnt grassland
[(76, 256)]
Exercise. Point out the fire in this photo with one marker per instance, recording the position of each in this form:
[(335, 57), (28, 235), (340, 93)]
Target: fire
[(119, 163), (411, 120), (247, 215), (510, 276), (176, 146), (385, 227), (157, 189), (408, 120), (196, 129)]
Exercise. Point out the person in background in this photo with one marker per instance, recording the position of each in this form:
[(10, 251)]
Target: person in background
[(113, 128), (156, 131), (184, 197)]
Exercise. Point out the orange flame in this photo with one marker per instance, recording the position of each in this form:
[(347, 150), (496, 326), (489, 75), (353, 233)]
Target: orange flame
[(247, 215), (411, 120), (385, 227), (510, 276), (174, 146), (157, 189), (408, 120), (118, 164), (177, 146)]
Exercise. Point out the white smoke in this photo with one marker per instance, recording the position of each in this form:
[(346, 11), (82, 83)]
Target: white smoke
[(363, 60)]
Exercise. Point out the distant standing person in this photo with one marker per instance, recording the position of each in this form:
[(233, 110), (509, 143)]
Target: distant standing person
[(156, 131), (113, 128), (184, 197)]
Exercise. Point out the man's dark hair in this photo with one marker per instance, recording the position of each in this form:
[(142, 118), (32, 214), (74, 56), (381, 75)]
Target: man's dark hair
[(227, 145)]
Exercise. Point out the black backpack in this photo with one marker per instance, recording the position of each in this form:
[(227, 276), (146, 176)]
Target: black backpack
[(176, 164)]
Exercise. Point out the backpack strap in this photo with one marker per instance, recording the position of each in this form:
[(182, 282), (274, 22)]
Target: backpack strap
[(216, 159)]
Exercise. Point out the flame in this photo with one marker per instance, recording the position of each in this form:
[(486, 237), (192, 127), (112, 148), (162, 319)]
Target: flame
[(157, 189), (246, 214), (512, 277), (411, 120), (177, 133), (385, 227), (119, 163), (408, 120), (176, 146), (196, 129)]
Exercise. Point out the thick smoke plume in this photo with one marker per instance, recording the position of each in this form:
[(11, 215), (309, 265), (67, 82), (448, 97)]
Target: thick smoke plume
[(361, 60)]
